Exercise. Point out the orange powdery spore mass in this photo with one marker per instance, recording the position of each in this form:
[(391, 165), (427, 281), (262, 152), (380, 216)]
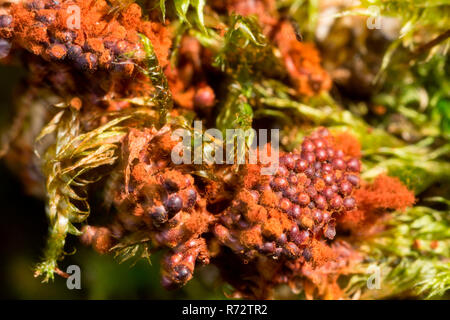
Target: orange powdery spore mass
[(272, 228), (199, 221), (132, 17), (161, 39), (256, 213), (321, 253), (375, 200), (320, 185), (101, 40), (99, 237), (251, 237), (322, 281), (57, 51), (269, 198), (348, 143), (72, 48), (386, 193), (253, 176), (302, 62)]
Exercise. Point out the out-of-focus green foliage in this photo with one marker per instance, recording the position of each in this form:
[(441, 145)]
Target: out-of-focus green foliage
[(304, 12), (415, 15), (412, 256), (424, 26), (182, 8), (418, 166), (421, 94)]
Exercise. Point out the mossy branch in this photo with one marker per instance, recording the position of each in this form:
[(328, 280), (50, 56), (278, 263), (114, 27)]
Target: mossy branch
[(70, 164), (183, 10), (162, 96), (412, 256)]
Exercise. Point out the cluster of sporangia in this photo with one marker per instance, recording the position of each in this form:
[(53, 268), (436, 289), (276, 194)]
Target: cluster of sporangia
[(282, 217), (84, 48), (82, 32), (160, 203)]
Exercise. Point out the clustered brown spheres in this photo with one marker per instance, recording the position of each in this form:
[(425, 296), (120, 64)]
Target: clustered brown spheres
[(287, 218), (278, 226), (94, 39), (100, 62), (161, 202), (280, 215)]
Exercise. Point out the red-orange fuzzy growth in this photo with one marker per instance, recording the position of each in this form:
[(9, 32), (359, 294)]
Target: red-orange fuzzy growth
[(94, 39), (302, 62), (348, 143), (268, 230), (385, 192), (374, 200)]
